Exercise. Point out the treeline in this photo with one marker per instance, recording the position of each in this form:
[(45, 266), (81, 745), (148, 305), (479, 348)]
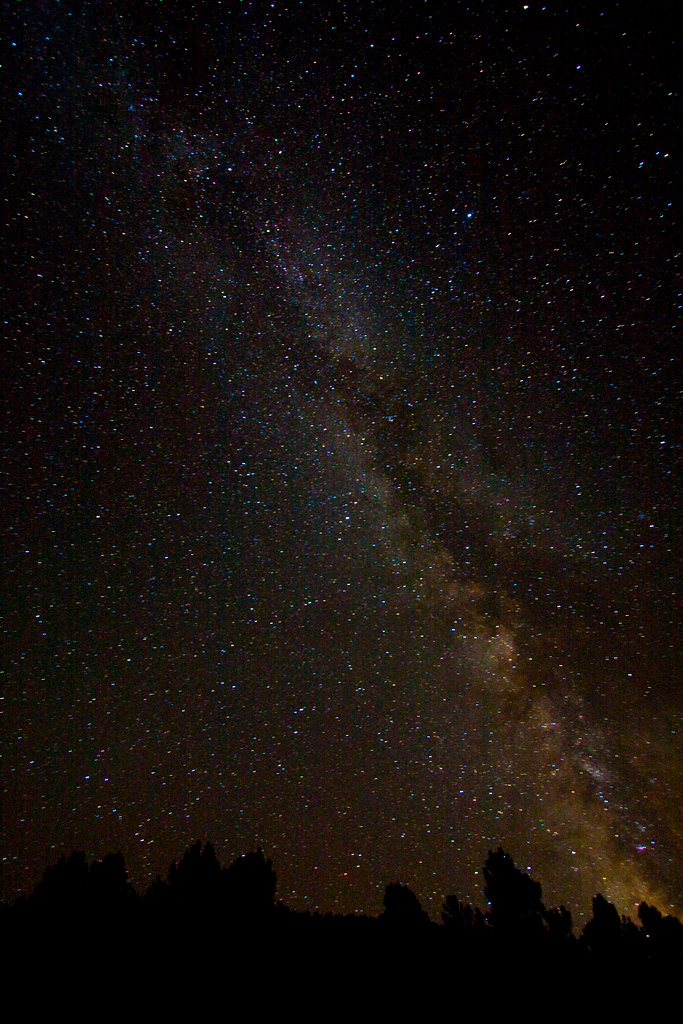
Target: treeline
[(203, 913)]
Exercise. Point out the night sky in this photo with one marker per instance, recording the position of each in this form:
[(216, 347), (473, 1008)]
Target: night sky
[(340, 445)]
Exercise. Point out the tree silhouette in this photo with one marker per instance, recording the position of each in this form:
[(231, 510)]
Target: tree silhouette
[(514, 897), (249, 885), (663, 935), (194, 879), (602, 933), (402, 908), (651, 920), (64, 886), (109, 884), (461, 917), (559, 922)]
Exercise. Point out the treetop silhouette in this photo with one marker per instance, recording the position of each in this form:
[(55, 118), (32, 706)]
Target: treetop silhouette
[(204, 908), (515, 899)]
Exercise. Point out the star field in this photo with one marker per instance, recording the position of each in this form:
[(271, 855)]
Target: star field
[(341, 449)]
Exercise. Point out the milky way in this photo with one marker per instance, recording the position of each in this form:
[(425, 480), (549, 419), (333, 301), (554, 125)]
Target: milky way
[(340, 471)]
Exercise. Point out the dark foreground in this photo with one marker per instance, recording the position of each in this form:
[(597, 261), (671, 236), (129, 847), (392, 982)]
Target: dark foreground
[(213, 938)]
